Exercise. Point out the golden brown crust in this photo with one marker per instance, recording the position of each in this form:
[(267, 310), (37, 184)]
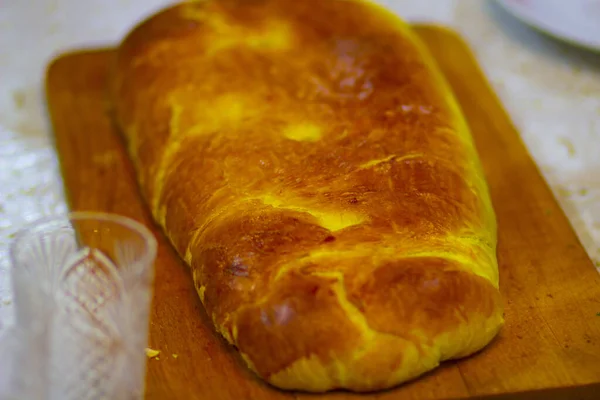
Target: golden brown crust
[(309, 163)]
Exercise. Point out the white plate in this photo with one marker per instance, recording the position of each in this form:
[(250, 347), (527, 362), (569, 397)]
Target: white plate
[(573, 21)]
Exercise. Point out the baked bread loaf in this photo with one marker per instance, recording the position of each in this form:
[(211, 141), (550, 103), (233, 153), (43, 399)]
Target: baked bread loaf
[(310, 164)]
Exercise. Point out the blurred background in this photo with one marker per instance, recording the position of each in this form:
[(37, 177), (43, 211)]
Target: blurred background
[(550, 88)]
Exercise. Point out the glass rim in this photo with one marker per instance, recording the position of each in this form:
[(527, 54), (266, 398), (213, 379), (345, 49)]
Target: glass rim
[(150, 242)]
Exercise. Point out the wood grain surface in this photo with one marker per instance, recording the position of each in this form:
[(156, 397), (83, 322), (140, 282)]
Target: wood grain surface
[(551, 341)]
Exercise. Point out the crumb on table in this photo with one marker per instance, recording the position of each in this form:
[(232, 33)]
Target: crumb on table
[(568, 145), (19, 99)]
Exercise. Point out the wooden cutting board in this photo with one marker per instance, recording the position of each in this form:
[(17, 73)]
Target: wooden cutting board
[(551, 340)]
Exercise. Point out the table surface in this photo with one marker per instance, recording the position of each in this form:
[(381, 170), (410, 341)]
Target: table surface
[(551, 91)]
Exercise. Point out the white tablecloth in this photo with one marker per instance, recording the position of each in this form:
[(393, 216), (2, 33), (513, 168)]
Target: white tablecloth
[(551, 91)]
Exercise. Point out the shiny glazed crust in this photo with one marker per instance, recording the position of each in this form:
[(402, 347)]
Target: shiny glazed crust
[(312, 167)]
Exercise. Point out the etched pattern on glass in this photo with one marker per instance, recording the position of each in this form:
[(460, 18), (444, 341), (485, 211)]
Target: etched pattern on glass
[(88, 350), (82, 296)]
